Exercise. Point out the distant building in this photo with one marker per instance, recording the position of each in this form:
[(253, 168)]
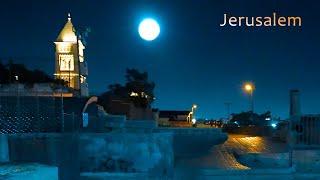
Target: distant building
[(70, 64), (175, 118), (120, 107)]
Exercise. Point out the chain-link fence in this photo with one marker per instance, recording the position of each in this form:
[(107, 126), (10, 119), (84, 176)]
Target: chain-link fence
[(39, 112)]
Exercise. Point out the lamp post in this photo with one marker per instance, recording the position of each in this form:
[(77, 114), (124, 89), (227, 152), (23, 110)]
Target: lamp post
[(193, 111), (62, 107), (228, 105), (249, 88)]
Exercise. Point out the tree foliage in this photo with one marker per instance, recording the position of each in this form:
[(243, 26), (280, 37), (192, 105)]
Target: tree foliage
[(137, 89), (9, 71), (250, 118)]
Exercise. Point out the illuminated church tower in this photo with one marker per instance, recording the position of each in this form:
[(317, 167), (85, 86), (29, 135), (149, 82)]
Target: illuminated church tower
[(70, 64)]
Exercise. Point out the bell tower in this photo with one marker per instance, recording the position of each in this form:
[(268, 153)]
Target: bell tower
[(70, 64)]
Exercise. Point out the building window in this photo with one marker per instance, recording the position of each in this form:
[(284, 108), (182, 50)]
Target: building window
[(64, 48), (66, 62)]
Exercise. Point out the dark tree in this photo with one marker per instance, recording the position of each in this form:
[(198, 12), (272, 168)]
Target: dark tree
[(4, 74), (25, 76), (249, 118), (138, 90)]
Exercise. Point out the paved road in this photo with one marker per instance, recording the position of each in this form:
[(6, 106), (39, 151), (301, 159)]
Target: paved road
[(220, 162), (242, 144), (221, 156)]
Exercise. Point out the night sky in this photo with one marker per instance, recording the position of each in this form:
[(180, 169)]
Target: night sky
[(194, 60)]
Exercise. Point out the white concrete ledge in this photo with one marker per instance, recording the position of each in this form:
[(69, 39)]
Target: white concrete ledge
[(4, 149), (107, 176), (31, 171), (266, 171)]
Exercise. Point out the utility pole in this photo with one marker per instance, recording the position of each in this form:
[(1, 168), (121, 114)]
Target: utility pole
[(79, 66), (69, 73), (62, 107), (251, 100), (61, 98), (228, 105), (10, 70)]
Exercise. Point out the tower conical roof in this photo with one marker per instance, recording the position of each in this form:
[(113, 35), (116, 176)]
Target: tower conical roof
[(67, 34)]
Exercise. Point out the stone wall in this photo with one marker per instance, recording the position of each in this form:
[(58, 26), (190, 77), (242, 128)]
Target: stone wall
[(54, 149), (306, 161), (142, 151), (120, 151), (149, 153), (194, 141)]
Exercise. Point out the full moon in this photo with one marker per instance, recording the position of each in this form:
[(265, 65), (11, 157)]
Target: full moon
[(149, 29)]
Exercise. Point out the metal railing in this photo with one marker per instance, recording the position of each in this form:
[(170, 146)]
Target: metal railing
[(308, 130)]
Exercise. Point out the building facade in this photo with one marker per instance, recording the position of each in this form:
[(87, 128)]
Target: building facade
[(175, 118), (70, 63)]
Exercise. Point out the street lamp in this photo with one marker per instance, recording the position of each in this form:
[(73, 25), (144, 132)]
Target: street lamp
[(194, 106), (193, 109), (249, 88)]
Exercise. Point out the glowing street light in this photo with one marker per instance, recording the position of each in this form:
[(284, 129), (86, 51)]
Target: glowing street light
[(249, 88), (194, 121), (193, 109), (194, 106)]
